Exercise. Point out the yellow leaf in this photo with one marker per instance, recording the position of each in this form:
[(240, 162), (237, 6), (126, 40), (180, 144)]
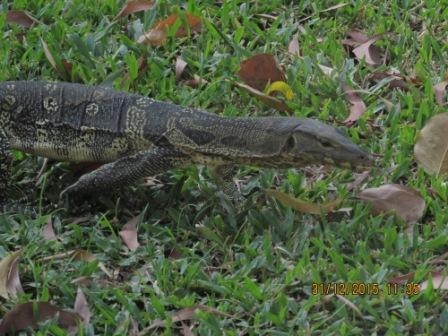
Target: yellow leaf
[(268, 100), (282, 87)]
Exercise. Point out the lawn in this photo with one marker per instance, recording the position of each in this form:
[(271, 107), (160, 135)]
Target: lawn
[(205, 265)]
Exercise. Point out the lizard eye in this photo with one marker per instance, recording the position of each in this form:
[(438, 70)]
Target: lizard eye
[(290, 144)]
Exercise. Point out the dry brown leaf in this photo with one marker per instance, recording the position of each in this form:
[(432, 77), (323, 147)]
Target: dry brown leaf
[(80, 220), (440, 91), (48, 54), (142, 65), (259, 70), (268, 100), (196, 81), (75, 254), (431, 148), (64, 69), (158, 34), (9, 276), (355, 37), (186, 330), (184, 314), (81, 307), (129, 233), (82, 255), (359, 178), (362, 47), (293, 47), (21, 18), (442, 259), (68, 66), (368, 52), (134, 6), (439, 281), (29, 314), (173, 254), (327, 70), (304, 206), (396, 81), (357, 105), (180, 67), (405, 202), (402, 279), (48, 231)]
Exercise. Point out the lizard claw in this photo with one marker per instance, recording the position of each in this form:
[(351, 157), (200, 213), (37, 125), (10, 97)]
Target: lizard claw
[(68, 192)]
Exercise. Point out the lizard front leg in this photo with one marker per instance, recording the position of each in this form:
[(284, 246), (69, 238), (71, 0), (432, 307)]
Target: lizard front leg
[(223, 175), (127, 170)]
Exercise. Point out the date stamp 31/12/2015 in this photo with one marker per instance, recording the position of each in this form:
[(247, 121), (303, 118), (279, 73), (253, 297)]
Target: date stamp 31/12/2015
[(364, 288)]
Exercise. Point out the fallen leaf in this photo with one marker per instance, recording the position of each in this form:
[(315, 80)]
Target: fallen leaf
[(80, 220), (358, 180), (186, 330), (442, 259), (68, 66), (142, 65), (48, 231), (21, 18), (304, 206), (327, 70), (29, 314), (48, 54), (293, 47), (440, 91), (363, 47), (439, 280), (82, 255), (196, 81), (61, 67), (81, 307), (357, 106), (404, 202), (259, 70), (129, 233), (402, 279), (9, 276), (268, 100), (134, 6), (431, 147), (366, 51), (184, 314), (172, 253), (395, 81), (281, 87), (180, 67), (158, 34), (355, 37)]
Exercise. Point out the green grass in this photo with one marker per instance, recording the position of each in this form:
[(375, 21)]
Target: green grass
[(256, 264)]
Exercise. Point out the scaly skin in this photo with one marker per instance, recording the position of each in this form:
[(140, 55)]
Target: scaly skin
[(136, 136)]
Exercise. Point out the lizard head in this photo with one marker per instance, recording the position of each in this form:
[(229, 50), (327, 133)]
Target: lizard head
[(314, 142)]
